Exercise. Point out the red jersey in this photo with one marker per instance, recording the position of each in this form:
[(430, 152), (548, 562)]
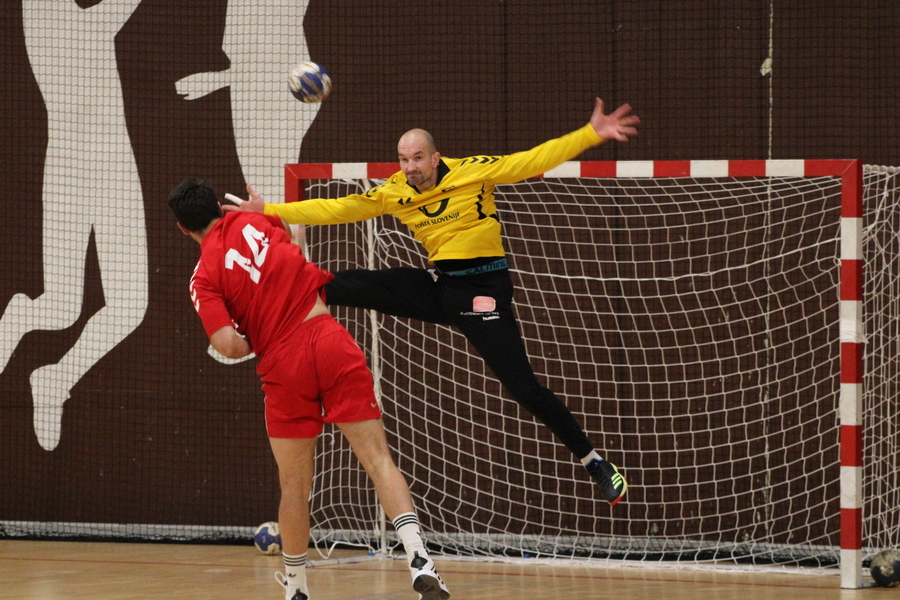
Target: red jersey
[(250, 275)]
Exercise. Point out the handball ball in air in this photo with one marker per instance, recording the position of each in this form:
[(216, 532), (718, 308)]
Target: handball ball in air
[(885, 568), (309, 82), (267, 538)]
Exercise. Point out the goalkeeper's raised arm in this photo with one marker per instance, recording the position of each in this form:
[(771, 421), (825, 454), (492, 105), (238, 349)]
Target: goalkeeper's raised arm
[(620, 125)]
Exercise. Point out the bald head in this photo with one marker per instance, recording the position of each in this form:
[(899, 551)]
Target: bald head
[(418, 158), (416, 139)]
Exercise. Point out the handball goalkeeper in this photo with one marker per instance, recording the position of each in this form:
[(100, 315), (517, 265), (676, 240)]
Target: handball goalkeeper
[(448, 204)]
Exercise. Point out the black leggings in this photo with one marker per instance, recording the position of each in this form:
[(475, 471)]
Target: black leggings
[(465, 303)]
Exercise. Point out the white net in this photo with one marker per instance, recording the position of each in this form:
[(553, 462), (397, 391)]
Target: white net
[(881, 452), (690, 324)]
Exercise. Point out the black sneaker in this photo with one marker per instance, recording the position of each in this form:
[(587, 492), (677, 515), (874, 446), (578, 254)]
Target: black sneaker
[(607, 476)]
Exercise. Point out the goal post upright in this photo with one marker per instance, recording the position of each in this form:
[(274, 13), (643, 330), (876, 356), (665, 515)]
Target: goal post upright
[(851, 397), (850, 326)]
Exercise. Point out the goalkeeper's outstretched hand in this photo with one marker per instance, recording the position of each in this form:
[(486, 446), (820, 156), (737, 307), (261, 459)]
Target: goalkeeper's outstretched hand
[(618, 125), (254, 204)]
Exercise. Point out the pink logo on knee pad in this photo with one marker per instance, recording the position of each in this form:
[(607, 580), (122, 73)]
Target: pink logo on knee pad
[(483, 304)]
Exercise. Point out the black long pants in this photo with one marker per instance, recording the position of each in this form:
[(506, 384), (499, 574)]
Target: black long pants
[(480, 306)]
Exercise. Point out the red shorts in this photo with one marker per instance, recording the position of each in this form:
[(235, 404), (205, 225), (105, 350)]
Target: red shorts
[(320, 377)]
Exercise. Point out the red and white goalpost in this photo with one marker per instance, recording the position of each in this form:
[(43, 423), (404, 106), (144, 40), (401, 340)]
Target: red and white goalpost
[(703, 319)]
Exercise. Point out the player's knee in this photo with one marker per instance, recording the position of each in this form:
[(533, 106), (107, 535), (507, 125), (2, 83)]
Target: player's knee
[(294, 483), (539, 401), (380, 466)]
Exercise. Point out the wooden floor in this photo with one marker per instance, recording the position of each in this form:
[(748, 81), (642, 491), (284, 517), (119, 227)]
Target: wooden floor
[(43, 570)]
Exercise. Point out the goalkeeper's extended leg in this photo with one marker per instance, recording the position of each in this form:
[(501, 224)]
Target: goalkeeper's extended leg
[(500, 344)]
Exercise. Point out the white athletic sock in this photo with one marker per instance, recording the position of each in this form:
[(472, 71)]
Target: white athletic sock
[(587, 459), (295, 571), (407, 527)]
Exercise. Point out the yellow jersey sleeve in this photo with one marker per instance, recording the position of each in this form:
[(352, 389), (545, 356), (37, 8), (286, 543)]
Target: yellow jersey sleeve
[(329, 211), (522, 165)]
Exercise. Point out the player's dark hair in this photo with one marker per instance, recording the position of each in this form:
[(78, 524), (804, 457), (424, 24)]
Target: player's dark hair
[(195, 204)]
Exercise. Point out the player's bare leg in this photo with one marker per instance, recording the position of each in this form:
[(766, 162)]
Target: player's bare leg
[(296, 465), (369, 443)]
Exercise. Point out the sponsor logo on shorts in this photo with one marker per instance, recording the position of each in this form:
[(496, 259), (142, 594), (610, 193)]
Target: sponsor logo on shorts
[(483, 304), (484, 307)]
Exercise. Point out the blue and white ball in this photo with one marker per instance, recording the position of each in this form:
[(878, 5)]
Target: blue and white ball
[(309, 82), (267, 538)]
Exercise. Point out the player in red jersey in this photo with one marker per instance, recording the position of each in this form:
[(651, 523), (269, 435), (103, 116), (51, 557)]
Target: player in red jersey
[(255, 291)]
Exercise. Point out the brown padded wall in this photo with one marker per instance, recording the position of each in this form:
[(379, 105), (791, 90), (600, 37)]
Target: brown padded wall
[(489, 78)]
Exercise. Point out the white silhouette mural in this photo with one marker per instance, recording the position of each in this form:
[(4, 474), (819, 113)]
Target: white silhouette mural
[(262, 40), (90, 184)]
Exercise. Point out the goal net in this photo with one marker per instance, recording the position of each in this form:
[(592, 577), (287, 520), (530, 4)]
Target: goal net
[(700, 319), (881, 417)]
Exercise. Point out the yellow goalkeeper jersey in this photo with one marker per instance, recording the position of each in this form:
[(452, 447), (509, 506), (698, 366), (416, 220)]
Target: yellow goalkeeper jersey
[(457, 218)]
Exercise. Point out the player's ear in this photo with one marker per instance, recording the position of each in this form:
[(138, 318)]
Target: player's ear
[(183, 229), (435, 158)]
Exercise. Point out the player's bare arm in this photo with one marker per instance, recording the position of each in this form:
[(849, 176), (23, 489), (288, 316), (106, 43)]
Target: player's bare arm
[(618, 125), (230, 343), (254, 204)]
